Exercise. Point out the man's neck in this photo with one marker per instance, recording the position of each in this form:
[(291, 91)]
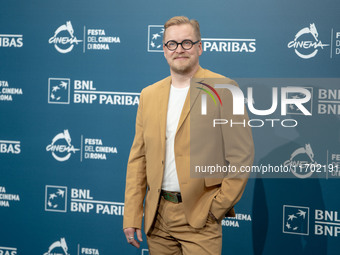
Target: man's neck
[(182, 80)]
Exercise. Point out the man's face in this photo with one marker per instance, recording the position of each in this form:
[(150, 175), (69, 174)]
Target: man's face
[(182, 61)]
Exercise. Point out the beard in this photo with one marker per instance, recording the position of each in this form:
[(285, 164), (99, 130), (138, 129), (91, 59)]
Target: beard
[(181, 68)]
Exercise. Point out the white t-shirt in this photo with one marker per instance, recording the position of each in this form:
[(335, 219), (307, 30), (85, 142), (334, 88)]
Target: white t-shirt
[(176, 101)]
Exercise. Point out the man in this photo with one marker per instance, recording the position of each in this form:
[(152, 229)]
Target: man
[(182, 214)]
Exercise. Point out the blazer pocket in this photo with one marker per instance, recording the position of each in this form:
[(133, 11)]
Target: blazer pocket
[(212, 181)]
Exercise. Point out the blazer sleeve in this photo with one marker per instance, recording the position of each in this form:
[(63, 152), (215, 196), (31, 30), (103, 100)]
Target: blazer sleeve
[(238, 151), (136, 176)]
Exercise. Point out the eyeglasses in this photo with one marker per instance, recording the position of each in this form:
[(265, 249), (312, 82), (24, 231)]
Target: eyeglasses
[(186, 44)]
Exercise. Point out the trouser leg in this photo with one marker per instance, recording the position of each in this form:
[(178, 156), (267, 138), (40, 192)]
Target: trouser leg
[(159, 240), (171, 233)]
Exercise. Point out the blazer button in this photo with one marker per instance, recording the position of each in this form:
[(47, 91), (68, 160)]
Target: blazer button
[(162, 162)]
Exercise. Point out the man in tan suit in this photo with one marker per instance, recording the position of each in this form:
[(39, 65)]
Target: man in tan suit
[(182, 214)]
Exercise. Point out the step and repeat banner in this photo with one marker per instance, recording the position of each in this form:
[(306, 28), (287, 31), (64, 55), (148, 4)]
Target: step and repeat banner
[(71, 73)]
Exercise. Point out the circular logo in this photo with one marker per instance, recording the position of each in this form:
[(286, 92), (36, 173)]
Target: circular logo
[(58, 247), (68, 40), (61, 146), (301, 46), (301, 162)]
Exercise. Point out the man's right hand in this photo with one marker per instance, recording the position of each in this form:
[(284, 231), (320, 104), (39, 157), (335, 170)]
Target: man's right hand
[(130, 236)]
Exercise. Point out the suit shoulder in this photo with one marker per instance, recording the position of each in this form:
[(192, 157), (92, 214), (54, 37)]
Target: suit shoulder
[(210, 74), (154, 87)]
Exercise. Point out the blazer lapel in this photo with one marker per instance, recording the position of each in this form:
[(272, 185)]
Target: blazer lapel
[(191, 98), (163, 108)]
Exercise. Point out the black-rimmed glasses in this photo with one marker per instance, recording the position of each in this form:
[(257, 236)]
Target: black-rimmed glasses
[(186, 44)]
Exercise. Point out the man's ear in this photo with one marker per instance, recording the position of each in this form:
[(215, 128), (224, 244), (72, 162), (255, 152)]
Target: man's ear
[(200, 48), (163, 49)]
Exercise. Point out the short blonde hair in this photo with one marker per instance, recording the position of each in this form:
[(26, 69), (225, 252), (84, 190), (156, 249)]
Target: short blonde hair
[(180, 20)]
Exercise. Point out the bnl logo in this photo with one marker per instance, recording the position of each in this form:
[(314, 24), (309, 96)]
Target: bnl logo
[(55, 198), (301, 96), (58, 91), (145, 252), (295, 220), (155, 38), (292, 109)]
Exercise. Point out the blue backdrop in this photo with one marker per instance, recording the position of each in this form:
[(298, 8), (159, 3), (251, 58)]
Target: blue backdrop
[(70, 77)]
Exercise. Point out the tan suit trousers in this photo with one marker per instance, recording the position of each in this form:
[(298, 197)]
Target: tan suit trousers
[(172, 235)]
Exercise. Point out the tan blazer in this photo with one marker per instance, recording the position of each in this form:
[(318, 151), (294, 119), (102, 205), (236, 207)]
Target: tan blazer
[(147, 155)]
